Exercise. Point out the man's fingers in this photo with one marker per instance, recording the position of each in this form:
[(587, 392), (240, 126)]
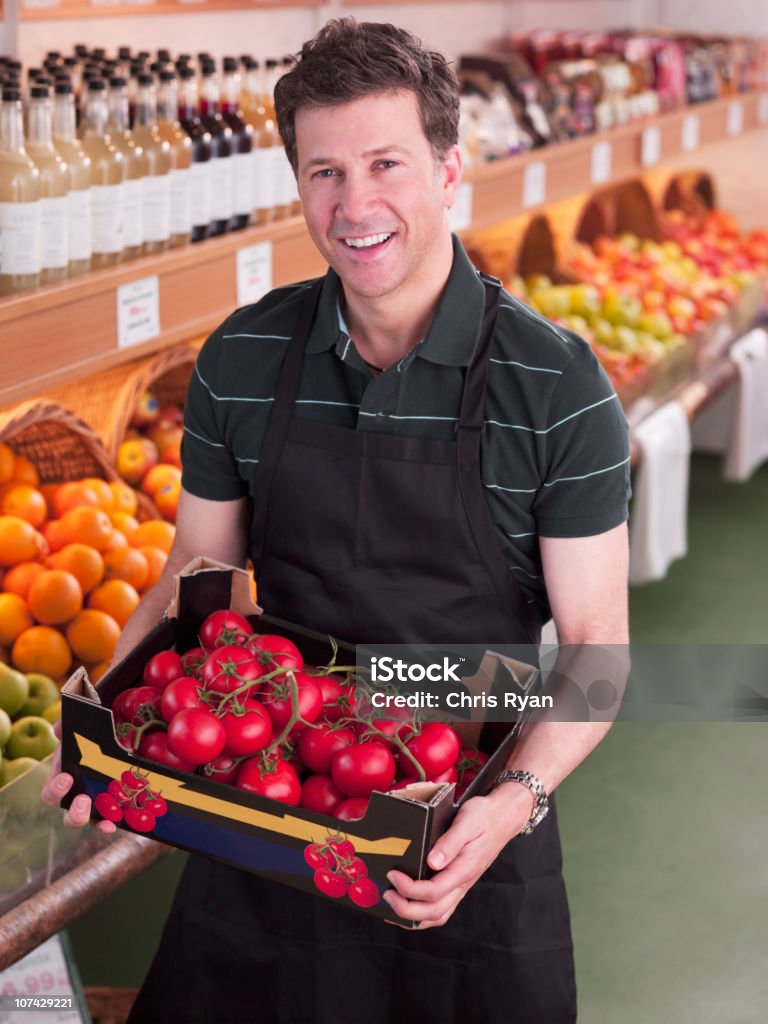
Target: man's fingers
[(107, 827), (466, 827), (79, 814), (56, 786), (433, 889), (413, 910)]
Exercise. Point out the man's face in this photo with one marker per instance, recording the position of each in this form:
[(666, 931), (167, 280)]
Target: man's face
[(374, 196)]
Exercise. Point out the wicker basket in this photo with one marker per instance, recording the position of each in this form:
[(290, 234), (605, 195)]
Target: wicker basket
[(59, 443), (694, 191), (634, 210), (523, 245)]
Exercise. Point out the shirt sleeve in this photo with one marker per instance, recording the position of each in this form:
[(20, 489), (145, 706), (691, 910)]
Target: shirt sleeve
[(585, 455), (209, 469)]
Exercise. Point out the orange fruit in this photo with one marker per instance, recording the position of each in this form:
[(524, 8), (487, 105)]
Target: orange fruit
[(127, 564), (42, 649), (158, 476), (117, 540), (103, 492), (156, 559), (124, 497), (84, 562), (115, 597), (125, 523), (19, 540), (54, 535), (14, 617), (74, 494), (92, 635), (95, 672), (25, 472), (7, 463), (24, 501), (55, 597), (156, 533), (19, 577), (87, 525)]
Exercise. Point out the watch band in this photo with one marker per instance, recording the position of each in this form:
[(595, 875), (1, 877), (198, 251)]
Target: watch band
[(535, 785)]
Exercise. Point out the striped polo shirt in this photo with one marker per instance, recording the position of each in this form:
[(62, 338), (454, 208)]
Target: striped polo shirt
[(555, 451)]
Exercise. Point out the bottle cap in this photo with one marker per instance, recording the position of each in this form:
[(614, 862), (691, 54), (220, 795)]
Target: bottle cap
[(63, 87), (117, 82), (11, 93), (96, 85), (145, 79), (230, 64)]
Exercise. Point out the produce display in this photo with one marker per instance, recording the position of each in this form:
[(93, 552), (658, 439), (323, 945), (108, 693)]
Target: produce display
[(29, 705), (149, 457), (243, 709)]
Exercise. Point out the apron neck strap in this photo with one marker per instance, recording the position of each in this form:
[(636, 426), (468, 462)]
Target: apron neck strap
[(473, 399)]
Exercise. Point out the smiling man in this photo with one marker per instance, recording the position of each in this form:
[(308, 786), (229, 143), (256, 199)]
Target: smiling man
[(408, 455)]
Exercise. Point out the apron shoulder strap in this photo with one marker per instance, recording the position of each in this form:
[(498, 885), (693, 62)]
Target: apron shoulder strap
[(473, 400)]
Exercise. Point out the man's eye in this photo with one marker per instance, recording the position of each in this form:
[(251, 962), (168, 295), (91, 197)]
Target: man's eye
[(386, 164), (326, 172)]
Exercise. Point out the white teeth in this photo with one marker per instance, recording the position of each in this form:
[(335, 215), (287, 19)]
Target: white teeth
[(363, 243)]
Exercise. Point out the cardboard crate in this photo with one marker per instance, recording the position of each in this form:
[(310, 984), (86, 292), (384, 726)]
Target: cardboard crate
[(241, 828)]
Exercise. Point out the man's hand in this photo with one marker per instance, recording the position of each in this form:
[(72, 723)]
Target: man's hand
[(480, 831), (58, 784)]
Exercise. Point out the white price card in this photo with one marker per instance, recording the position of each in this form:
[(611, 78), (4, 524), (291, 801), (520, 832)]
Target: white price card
[(762, 108), (650, 150), (138, 311), (38, 988), (254, 272), (735, 122), (602, 156), (689, 136), (535, 184), (460, 214)]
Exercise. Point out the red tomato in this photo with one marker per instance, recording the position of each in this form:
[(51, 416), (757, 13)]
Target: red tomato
[(248, 727), (330, 884), (137, 704), (390, 727), (277, 780), (342, 849), (288, 750), (358, 770), (329, 687), (157, 806), (277, 700), (223, 769), (108, 807), (355, 870), (364, 893), (436, 748), (155, 748), (196, 735), (318, 745), (316, 858), (319, 794), (228, 668), (193, 659), (162, 669), (139, 819), (352, 810), (115, 789), (223, 628), (276, 650), (344, 706), (181, 693), (126, 736)]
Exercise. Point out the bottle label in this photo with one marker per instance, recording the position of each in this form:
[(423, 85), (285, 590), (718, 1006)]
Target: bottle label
[(242, 199), (80, 215), (157, 208), (20, 238), (263, 178), (133, 213), (181, 200), (202, 188), (107, 216), (55, 233), (221, 174)]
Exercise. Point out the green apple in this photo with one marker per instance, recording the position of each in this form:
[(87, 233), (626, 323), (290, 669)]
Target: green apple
[(622, 310), (42, 692), (5, 727), (657, 324), (13, 767), (577, 324), (14, 689), (553, 302), (603, 330), (31, 736), (52, 713), (625, 340), (585, 300)]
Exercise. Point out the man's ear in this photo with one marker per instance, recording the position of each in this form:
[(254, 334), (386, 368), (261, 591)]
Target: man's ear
[(452, 168)]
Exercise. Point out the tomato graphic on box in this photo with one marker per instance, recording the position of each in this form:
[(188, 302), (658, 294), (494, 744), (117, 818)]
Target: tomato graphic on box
[(340, 872)]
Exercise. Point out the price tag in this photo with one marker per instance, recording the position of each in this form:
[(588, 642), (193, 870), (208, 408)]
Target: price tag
[(650, 152), (42, 975), (762, 108), (735, 123), (254, 272), (535, 184), (138, 311), (460, 214), (689, 139), (602, 155)]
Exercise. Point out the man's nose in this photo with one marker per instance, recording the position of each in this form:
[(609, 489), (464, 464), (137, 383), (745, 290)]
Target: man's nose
[(356, 199)]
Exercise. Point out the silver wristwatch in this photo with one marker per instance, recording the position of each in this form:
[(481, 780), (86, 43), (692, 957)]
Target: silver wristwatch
[(534, 784)]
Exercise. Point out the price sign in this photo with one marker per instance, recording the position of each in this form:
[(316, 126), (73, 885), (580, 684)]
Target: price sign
[(690, 134), (38, 988), (762, 108), (735, 122), (535, 184), (602, 156), (460, 214), (254, 272), (138, 311), (650, 151)]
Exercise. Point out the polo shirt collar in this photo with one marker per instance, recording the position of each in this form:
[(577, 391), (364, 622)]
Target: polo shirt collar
[(452, 335)]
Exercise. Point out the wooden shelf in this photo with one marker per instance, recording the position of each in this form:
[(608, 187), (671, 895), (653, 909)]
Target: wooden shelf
[(68, 331)]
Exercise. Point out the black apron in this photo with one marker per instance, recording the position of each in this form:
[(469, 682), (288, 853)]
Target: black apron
[(382, 539)]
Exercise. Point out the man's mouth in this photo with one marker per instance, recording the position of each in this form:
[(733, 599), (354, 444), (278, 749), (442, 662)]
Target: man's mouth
[(368, 241)]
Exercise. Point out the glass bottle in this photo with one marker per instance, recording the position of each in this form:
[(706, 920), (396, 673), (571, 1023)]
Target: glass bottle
[(202, 184), (181, 158), (263, 140), (78, 164), (107, 179), (282, 196), (292, 185), (221, 151), (242, 145), (20, 209), (54, 185), (136, 168), (157, 187)]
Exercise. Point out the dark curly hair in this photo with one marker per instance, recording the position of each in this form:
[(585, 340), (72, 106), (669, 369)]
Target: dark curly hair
[(348, 59)]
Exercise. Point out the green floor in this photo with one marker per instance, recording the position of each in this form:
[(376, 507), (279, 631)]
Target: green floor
[(664, 827)]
